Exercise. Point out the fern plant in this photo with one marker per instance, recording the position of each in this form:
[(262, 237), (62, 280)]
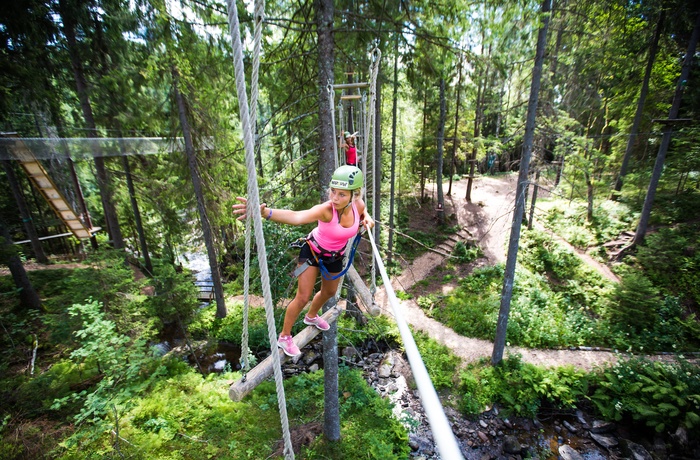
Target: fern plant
[(662, 396)]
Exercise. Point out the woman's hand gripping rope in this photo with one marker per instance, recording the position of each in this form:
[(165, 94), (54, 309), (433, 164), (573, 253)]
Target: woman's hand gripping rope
[(265, 212)]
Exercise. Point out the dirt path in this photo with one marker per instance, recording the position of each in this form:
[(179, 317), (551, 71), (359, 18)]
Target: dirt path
[(488, 219)]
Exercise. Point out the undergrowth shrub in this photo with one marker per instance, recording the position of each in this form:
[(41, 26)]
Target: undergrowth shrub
[(660, 395), (439, 361), (466, 253), (671, 259), (520, 388)]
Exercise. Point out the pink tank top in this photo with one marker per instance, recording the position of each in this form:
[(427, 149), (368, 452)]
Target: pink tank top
[(333, 236)]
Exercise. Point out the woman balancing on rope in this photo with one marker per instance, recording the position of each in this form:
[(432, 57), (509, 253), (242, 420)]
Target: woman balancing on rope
[(339, 220)]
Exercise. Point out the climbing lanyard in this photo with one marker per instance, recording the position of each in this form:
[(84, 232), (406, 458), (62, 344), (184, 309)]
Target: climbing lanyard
[(316, 250)]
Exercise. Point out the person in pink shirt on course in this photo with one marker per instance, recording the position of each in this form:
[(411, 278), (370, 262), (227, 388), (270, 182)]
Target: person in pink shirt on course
[(347, 144), (339, 220)]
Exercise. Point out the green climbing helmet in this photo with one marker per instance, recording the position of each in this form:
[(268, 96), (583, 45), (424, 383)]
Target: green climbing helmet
[(346, 134), (347, 178)]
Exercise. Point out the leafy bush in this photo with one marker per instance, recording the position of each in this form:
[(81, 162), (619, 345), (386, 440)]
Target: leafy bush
[(662, 396), (671, 258), (543, 255), (187, 416), (439, 361), (520, 388), (230, 328), (466, 253)]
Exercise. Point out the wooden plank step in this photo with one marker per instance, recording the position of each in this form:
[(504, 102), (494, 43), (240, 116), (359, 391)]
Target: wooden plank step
[(41, 180)]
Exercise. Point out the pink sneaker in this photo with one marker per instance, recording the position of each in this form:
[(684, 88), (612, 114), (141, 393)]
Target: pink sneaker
[(286, 343), (319, 322)]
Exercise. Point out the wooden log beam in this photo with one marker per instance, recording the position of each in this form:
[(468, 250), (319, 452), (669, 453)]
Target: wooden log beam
[(264, 369), (363, 292)]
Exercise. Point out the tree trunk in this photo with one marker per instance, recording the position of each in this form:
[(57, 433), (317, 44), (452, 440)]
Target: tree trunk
[(103, 181), (137, 216), (28, 297), (25, 214), (666, 139), (199, 194), (653, 48), (535, 188), (455, 141), (509, 275), (326, 60), (438, 156)]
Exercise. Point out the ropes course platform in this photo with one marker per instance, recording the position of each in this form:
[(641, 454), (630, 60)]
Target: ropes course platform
[(265, 368)]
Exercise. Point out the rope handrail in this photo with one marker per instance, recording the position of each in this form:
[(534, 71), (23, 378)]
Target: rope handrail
[(253, 210), (442, 431)]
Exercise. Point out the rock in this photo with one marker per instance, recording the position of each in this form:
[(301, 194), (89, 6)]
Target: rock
[(660, 448), (313, 368), (602, 427), (386, 367), (569, 426), (582, 419), (507, 423), (604, 440), (681, 437), (566, 452), (482, 436), (635, 451), (511, 445), (310, 357), (483, 424)]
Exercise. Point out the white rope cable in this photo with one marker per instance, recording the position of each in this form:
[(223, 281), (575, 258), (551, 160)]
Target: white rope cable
[(374, 71), (331, 101), (254, 210), (341, 124), (245, 350), (442, 431)]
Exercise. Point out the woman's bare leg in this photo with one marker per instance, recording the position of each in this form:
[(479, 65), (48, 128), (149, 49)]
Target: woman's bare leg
[(305, 287), (328, 290)]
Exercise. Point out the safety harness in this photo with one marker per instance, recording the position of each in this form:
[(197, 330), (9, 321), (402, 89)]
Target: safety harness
[(317, 251)]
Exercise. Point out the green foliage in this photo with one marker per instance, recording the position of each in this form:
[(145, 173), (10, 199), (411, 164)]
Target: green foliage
[(175, 296), (416, 242), (635, 303), (543, 255), (520, 388), (660, 395), (439, 360), (568, 220), (187, 416), (671, 258), (123, 368), (230, 328), (367, 426), (377, 329), (466, 253)]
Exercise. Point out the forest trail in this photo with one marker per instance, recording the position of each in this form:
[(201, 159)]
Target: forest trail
[(487, 219)]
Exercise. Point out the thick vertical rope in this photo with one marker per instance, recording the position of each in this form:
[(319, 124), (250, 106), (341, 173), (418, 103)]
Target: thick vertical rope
[(245, 350), (341, 124), (331, 101), (253, 209), (374, 71)]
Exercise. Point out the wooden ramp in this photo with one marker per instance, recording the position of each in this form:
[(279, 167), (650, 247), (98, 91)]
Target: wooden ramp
[(41, 180), (264, 369)]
